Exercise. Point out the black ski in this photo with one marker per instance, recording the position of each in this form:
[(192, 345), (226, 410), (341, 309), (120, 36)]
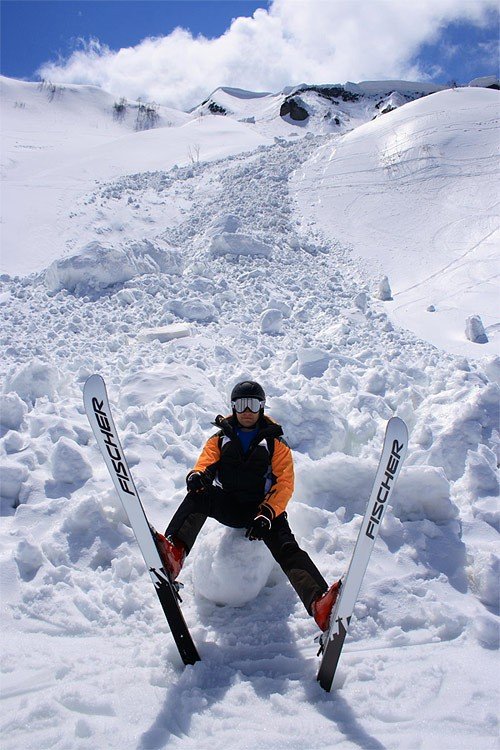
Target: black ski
[(99, 414)]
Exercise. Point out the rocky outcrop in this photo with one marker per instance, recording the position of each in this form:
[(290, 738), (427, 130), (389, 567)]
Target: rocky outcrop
[(294, 107)]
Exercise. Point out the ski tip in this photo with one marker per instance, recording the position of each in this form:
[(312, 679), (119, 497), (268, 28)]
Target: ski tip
[(400, 425), (398, 421), (95, 378)]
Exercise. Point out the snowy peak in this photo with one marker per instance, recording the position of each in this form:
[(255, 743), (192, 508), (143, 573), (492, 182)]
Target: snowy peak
[(320, 108)]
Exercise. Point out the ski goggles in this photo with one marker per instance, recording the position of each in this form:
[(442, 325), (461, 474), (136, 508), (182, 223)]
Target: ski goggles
[(254, 404)]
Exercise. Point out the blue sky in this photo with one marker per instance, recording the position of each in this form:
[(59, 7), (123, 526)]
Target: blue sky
[(53, 27), (275, 47)]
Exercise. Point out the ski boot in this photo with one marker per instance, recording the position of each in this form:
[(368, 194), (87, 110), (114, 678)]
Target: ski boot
[(172, 553), (323, 605)]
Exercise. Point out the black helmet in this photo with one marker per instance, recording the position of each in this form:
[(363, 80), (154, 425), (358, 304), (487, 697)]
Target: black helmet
[(248, 389)]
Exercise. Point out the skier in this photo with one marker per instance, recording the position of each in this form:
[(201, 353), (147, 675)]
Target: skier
[(244, 479)]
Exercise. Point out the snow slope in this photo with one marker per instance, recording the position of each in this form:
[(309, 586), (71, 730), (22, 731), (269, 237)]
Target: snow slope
[(239, 285), (54, 150), (414, 193)]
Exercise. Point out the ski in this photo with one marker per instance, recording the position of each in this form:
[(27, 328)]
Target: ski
[(99, 415), (393, 454)]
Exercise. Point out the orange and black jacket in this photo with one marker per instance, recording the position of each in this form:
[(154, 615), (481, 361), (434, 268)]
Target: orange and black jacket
[(263, 476)]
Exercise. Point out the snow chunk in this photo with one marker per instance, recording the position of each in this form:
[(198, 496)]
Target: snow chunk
[(228, 223), (333, 480), (375, 382), (95, 266), (423, 492), (29, 559), (474, 330), (239, 244), (12, 411), (126, 297), (384, 292), (485, 628), (271, 321), (361, 301), (33, 380), (486, 575), (13, 442), (491, 367), (313, 362), (312, 425), (165, 333), (478, 488), (471, 421), (229, 569), (278, 304), (179, 384), (12, 476), (193, 310), (152, 256), (69, 464), (98, 265)]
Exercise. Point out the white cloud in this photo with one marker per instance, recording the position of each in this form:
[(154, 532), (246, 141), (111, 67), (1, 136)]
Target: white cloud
[(295, 41)]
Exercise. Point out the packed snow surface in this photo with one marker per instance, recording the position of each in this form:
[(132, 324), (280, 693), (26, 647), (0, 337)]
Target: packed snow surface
[(87, 659), (414, 194)]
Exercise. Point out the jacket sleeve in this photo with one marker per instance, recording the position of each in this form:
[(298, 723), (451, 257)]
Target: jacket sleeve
[(209, 457), (281, 491)]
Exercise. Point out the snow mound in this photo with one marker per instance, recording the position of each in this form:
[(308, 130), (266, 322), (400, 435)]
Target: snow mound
[(12, 476), (423, 492), (229, 243), (31, 381), (193, 310), (226, 224), (229, 569), (312, 361), (271, 321), (180, 385), (69, 464), (486, 575), (98, 265), (12, 411)]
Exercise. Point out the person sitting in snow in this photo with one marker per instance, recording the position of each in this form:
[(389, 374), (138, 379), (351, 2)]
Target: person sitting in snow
[(244, 479)]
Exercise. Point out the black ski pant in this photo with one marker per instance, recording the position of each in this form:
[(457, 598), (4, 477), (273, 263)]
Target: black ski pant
[(228, 509)]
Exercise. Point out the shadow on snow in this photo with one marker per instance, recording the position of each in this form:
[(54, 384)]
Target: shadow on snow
[(251, 646)]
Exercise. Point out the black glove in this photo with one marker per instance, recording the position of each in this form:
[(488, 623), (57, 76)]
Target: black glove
[(258, 528), (197, 481)]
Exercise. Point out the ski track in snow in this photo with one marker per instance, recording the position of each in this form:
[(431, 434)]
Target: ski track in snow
[(98, 667)]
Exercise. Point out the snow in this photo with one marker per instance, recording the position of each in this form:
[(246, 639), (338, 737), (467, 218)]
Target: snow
[(69, 463), (271, 321), (12, 411), (238, 244), (30, 381), (87, 657), (98, 265), (227, 550), (165, 333), (55, 150), (410, 192), (474, 330)]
